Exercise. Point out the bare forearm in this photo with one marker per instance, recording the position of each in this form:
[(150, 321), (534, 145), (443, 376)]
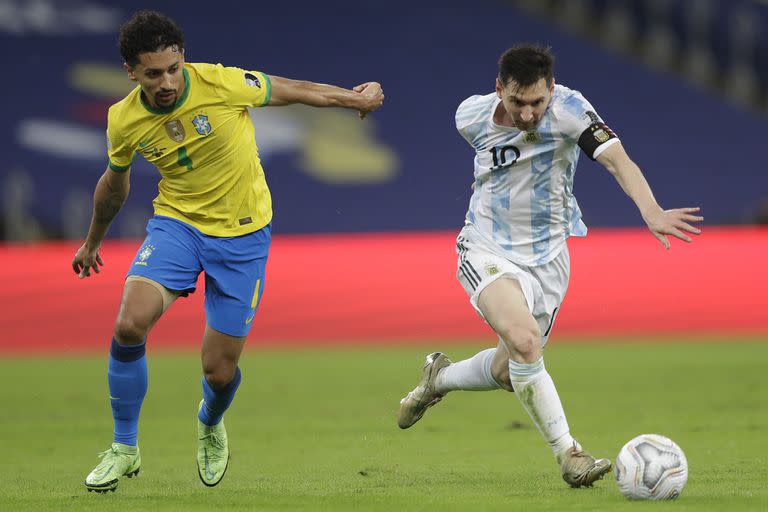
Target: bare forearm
[(364, 98), (108, 199), (323, 95), (660, 222), (636, 187), (631, 179)]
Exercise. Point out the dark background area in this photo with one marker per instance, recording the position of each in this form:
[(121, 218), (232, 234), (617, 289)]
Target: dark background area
[(406, 168)]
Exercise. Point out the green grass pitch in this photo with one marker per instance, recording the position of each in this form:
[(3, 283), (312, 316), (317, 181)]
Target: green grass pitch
[(315, 430)]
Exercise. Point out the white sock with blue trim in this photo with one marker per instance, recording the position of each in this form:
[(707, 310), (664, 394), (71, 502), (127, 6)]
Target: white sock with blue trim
[(536, 391)]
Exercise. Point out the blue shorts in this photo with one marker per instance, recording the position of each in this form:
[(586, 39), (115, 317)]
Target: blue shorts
[(174, 253)]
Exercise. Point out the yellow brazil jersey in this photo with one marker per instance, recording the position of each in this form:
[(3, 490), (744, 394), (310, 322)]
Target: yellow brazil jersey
[(204, 147)]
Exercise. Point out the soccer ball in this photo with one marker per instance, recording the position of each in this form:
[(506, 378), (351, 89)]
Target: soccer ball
[(651, 467)]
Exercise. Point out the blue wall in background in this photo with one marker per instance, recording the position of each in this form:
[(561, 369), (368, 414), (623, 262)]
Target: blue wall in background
[(406, 167)]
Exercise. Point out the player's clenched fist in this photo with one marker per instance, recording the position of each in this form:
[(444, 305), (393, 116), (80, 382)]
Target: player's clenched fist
[(374, 95)]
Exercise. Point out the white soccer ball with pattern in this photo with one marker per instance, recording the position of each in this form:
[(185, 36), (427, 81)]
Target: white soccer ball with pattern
[(651, 467)]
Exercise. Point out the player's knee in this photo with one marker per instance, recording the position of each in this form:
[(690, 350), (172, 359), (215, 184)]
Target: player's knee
[(129, 331), (525, 342), (218, 377)]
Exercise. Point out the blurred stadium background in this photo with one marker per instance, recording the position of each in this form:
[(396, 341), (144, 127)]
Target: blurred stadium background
[(684, 83)]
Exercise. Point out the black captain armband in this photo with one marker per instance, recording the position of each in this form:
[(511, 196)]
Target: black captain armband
[(595, 136)]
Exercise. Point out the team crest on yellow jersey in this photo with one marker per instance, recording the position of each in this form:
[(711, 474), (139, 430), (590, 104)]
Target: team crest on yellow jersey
[(203, 127), (175, 130)]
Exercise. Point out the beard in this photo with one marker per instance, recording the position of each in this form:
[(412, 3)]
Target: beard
[(526, 126)]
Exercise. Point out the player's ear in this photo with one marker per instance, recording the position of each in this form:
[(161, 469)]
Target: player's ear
[(498, 87), (552, 86), (131, 72)]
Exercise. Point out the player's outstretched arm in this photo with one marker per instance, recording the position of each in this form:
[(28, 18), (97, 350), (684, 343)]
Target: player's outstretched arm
[(660, 222), (364, 98), (110, 195)]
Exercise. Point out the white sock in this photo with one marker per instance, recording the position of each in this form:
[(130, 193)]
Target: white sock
[(473, 374), (534, 388)]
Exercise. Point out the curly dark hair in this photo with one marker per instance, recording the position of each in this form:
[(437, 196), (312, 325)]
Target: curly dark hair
[(526, 64), (148, 31)]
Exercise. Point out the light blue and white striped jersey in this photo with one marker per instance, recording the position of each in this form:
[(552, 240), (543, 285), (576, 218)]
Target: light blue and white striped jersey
[(523, 200)]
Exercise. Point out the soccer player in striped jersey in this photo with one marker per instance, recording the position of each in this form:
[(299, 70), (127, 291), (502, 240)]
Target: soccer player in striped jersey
[(512, 254), (213, 214)]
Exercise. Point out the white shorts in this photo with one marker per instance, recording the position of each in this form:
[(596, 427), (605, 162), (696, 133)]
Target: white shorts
[(543, 286)]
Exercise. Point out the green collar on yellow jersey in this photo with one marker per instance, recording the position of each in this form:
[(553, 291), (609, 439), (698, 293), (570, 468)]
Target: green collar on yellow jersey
[(179, 102)]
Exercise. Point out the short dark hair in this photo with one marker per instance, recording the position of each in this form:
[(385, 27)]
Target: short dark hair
[(526, 64), (148, 31)]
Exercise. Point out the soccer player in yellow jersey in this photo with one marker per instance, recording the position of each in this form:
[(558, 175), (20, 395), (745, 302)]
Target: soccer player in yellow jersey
[(213, 214)]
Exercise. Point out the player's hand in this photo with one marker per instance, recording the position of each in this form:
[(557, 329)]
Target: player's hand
[(87, 259), (675, 223), (373, 94)]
